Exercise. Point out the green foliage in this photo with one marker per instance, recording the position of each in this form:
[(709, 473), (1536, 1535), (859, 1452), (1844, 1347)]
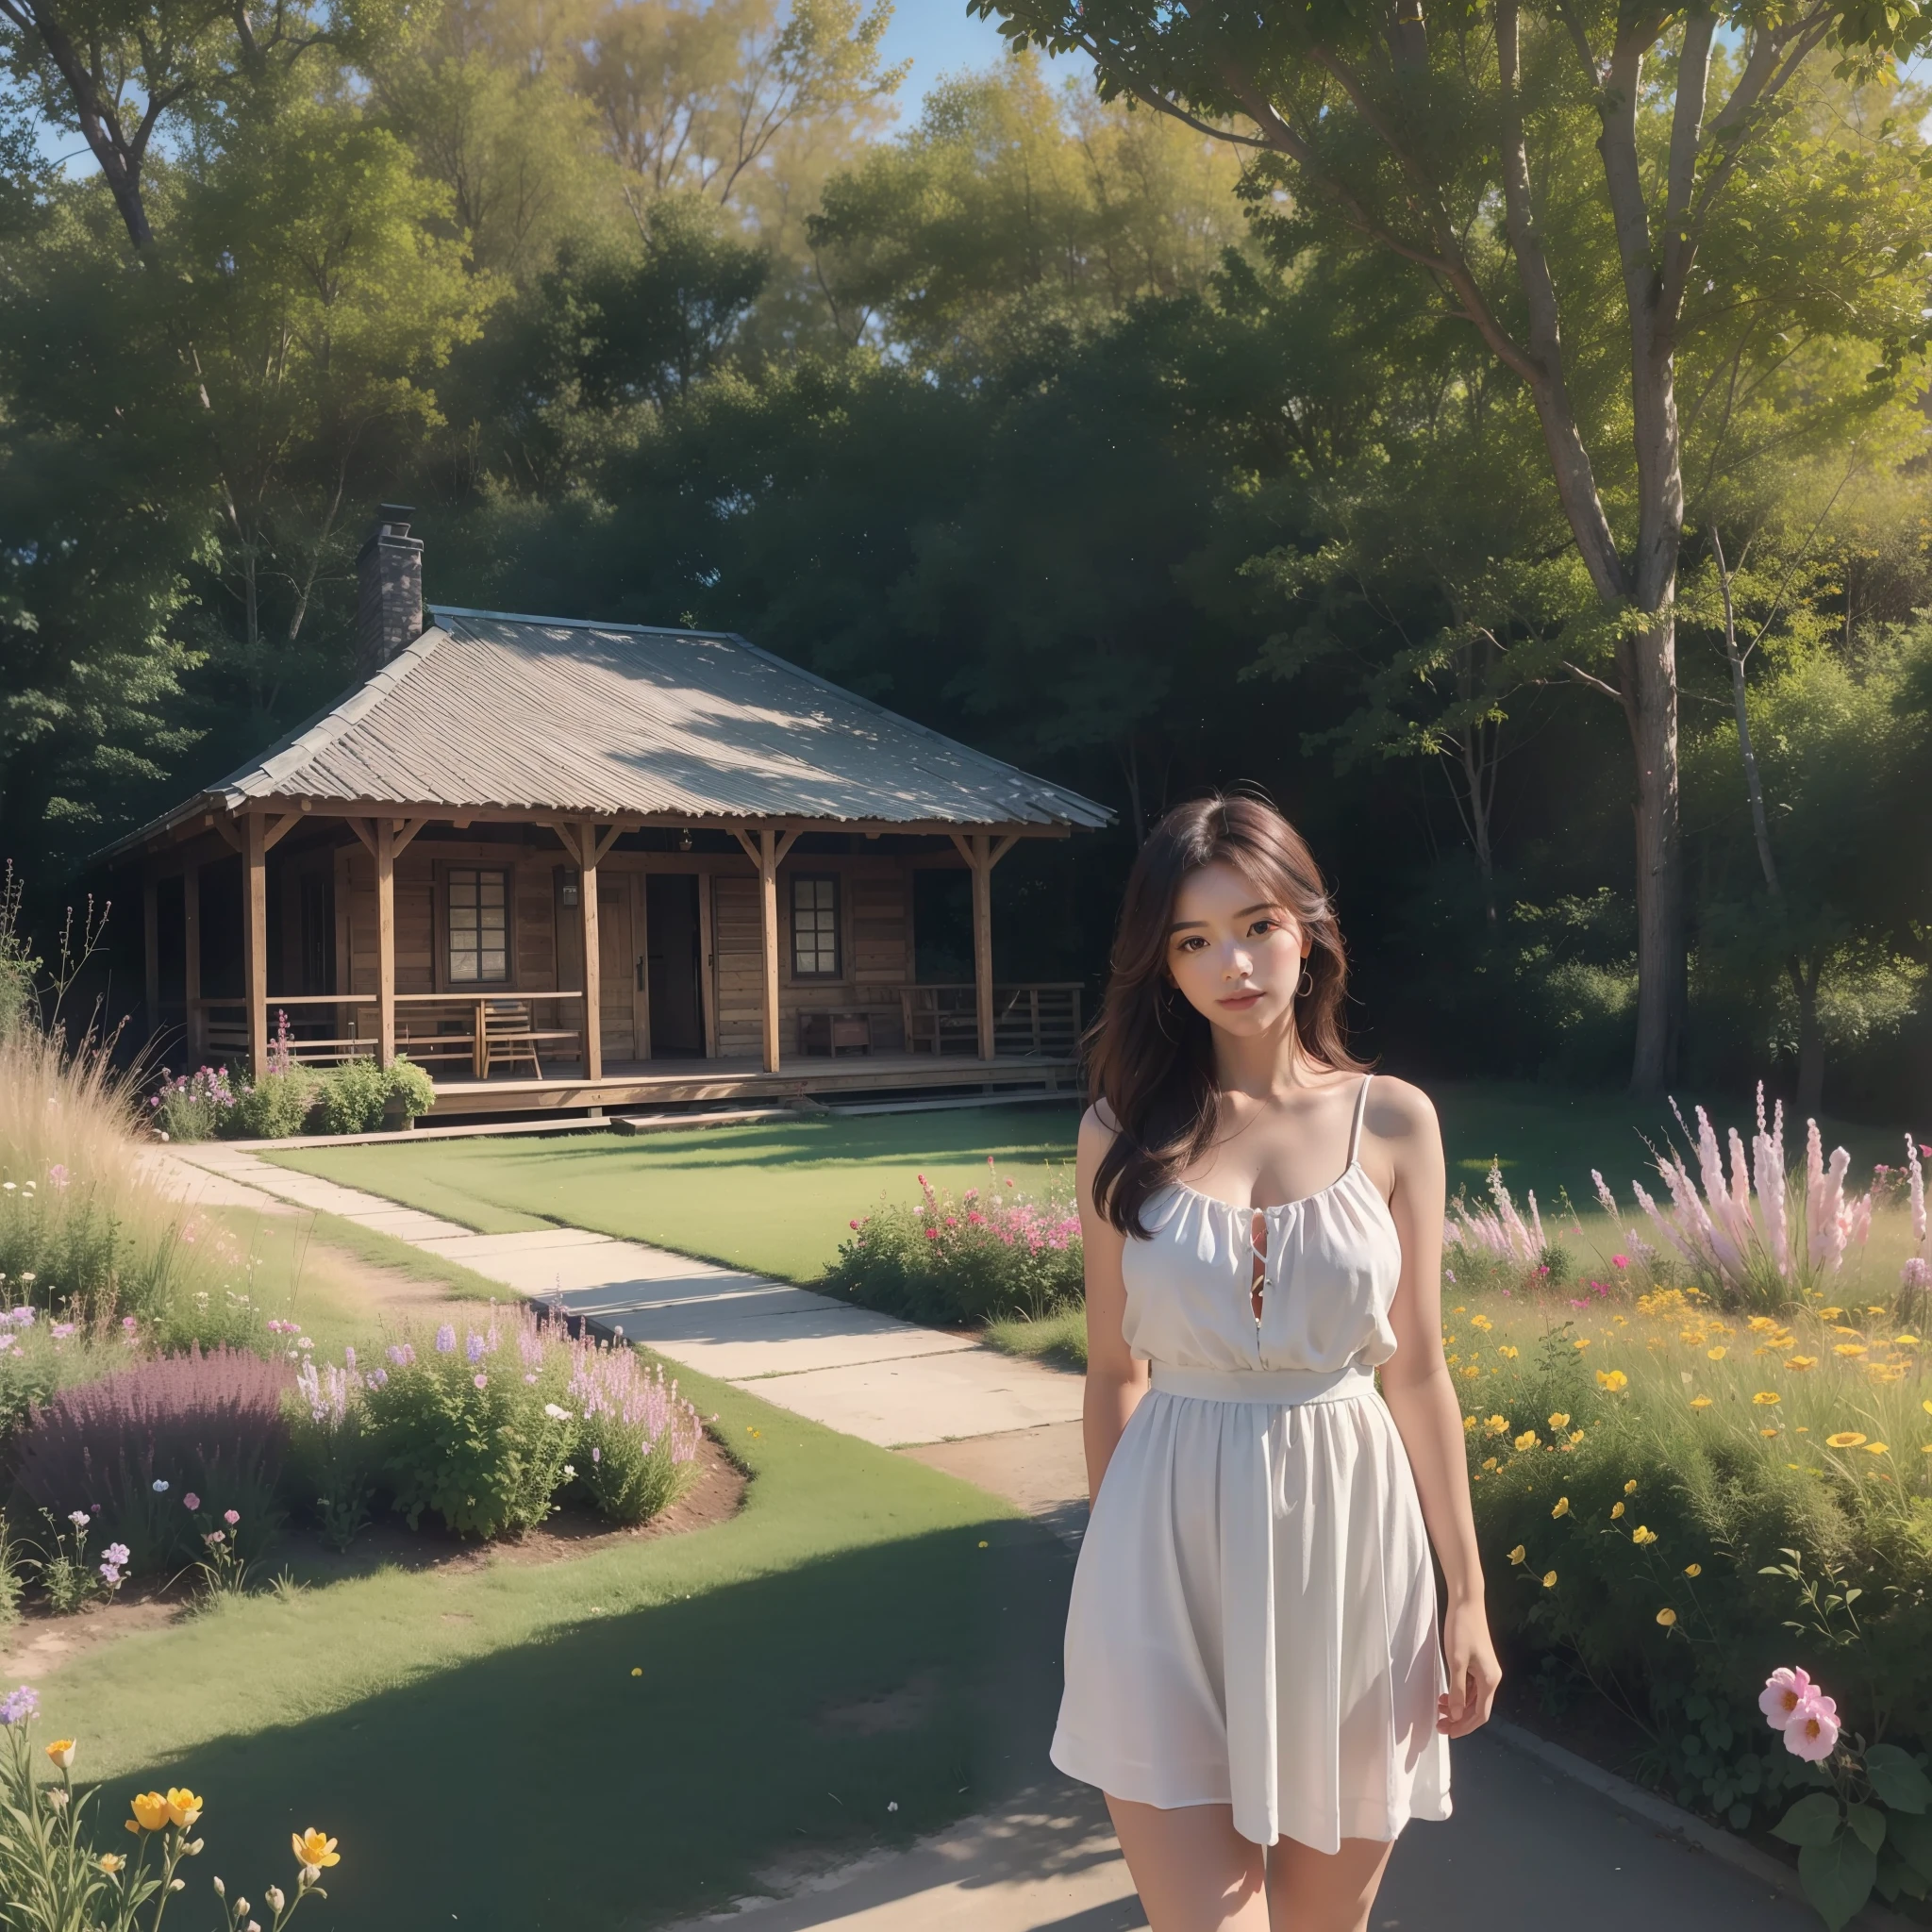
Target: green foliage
[(463, 1435), (987, 1254), (628, 1478), (358, 1096), (276, 1105)]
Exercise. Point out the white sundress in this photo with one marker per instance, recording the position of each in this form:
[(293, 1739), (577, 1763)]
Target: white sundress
[(1253, 1620)]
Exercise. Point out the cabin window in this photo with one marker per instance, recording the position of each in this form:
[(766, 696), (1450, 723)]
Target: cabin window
[(478, 925), (815, 927)]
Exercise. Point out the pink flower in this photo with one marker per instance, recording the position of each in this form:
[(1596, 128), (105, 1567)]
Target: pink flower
[(482, 1381), (1620, 1261), (190, 1501), (852, 1223), (56, 1176), (231, 1517), (1812, 1734), (1784, 1692)]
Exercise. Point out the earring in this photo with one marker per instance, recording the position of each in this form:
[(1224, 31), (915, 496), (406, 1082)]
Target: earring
[(1306, 985)]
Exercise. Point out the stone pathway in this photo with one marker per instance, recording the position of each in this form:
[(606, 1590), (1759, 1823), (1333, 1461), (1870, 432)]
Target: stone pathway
[(1530, 1837)]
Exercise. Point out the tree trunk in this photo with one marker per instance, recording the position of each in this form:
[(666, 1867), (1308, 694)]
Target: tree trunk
[(1810, 1041), (1651, 704)]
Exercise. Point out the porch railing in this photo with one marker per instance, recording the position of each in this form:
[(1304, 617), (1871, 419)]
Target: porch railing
[(457, 1032), (1037, 1019)]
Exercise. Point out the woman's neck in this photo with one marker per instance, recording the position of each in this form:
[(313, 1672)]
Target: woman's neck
[(1264, 1066)]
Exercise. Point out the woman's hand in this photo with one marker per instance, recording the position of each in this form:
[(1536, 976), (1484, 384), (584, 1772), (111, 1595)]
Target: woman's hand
[(1474, 1671)]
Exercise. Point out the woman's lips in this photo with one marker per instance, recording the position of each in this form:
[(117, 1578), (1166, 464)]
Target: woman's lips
[(1239, 1002)]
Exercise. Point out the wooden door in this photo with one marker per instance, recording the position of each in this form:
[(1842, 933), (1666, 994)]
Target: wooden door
[(617, 962)]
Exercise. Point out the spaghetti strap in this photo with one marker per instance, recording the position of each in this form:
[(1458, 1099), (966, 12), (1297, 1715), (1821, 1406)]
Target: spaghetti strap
[(1362, 1105)]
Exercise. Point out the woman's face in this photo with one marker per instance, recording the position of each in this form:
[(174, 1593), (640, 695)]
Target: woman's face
[(1235, 957)]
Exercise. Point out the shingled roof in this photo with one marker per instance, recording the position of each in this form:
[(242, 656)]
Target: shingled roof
[(488, 710)]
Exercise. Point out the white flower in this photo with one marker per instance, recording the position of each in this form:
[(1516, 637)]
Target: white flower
[(160, 1488), (79, 1518), (557, 1414), (570, 1475)]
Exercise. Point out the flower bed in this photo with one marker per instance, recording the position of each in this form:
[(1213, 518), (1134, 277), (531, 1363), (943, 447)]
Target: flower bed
[(991, 1254), (1703, 1454)]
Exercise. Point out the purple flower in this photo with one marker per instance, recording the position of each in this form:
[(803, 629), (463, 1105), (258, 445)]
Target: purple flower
[(111, 1576), (56, 1176), (446, 1340), (377, 1378), (160, 1486), (401, 1355), (116, 1554), (349, 1356), (473, 1347), (19, 1705), (61, 1330)]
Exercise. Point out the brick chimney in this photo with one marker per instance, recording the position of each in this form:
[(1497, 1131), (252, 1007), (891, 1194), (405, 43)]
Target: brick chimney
[(389, 588)]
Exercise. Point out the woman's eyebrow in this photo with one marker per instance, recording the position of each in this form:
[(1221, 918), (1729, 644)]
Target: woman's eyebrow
[(1182, 924)]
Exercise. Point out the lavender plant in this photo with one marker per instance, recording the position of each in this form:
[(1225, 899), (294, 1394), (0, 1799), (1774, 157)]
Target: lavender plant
[(332, 1454), (637, 1440), (191, 1106)]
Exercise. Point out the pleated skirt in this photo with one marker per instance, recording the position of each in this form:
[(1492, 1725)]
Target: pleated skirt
[(1252, 1623)]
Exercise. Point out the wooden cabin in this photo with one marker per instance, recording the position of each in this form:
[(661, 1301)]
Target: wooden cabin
[(565, 864)]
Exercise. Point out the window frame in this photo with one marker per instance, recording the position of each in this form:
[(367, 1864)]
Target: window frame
[(447, 962), (837, 929)]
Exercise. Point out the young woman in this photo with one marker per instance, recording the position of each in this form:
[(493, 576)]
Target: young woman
[(1253, 1671)]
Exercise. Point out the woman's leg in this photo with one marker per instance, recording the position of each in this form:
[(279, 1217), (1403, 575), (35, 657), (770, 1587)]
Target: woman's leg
[(1324, 1891), (1194, 1871)]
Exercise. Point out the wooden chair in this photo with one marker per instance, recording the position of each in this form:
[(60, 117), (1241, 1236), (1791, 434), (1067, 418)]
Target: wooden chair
[(509, 1035), (833, 1031)]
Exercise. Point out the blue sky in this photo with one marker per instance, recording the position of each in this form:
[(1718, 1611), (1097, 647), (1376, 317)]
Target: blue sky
[(939, 37)]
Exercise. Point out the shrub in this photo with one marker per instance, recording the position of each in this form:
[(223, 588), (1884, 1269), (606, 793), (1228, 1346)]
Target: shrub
[(332, 1451), (136, 1444), (191, 1106), (275, 1107), (354, 1097), (987, 1254), (637, 1440), (473, 1433)]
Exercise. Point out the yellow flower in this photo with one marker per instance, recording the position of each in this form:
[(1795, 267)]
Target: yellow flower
[(1829, 1314), (1473, 1369), (314, 1851), (1527, 1440), (150, 1812), (183, 1807), (1549, 1579), (1639, 1535), (1766, 1398), (1468, 1425), (1926, 1404), (1517, 1554), (1613, 1379), (1488, 1462), (1559, 1420), (1846, 1439), (1667, 1616), (1630, 1488), (1767, 1432), (1905, 1340), (1481, 1322), (110, 1862), (1497, 1425), (637, 1670), (1693, 1569), (1562, 1507), (1876, 1449), (61, 1752), (1616, 1510), (1802, 1361), (1576, 1434), (1700, 1401), (1508, 1353), (1716, 1355), (1583, 1341)]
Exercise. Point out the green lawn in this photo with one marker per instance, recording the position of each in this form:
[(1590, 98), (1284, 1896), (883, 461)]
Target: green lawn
[(479, 1743), (776, 1198)]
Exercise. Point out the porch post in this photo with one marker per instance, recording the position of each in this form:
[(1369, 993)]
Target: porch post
[(151, 953), (768, 931), (593, 964), (191, 967), (982, 938), (386, 941), (254, 940)]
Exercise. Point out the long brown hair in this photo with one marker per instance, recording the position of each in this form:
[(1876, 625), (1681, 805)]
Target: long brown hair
[(1150, 1055)]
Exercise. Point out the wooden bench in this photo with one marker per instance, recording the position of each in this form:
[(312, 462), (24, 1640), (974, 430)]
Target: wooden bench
[(510, 1034), (833, 1030)]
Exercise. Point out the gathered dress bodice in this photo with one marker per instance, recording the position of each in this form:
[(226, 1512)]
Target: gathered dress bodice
[(1330, 1263)]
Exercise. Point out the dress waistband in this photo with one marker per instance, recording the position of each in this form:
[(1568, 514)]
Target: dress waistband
[(1286, 1388)]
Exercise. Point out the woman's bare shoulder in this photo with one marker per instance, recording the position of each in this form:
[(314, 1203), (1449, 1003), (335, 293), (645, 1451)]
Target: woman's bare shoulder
[(1398, 1112), (1098, 1129)]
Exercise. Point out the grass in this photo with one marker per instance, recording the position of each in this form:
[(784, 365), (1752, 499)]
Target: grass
[(1060, 1338), (867, 1632), (774, 1198)]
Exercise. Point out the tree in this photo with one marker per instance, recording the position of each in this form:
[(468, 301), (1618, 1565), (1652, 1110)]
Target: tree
[(1461, 149)]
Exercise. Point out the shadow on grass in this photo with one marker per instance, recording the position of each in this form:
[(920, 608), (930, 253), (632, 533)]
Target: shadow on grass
[(775, 1720)]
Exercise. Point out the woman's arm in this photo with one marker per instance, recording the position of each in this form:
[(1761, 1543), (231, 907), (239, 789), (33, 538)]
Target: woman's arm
[(1115, 1381), (1420, 1396)]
